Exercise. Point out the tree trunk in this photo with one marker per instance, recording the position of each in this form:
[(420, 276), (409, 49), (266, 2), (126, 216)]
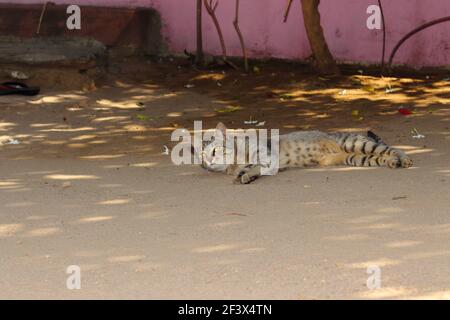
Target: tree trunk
[(199, 58), (324, 60)]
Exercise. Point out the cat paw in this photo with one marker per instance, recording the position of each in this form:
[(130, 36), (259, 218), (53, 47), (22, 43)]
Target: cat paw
[(393, 163), (244, 179), (407, 163)]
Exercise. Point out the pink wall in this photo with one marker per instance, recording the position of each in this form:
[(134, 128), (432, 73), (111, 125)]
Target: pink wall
[(344, 22)]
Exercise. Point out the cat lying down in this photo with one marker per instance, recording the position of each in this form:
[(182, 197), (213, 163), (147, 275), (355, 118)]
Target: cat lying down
[(305, 149)]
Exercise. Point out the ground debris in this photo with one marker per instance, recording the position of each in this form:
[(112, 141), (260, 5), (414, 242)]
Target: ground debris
[(10, 142), (400, 198), (416, 134), (235, 214), (228, 109)]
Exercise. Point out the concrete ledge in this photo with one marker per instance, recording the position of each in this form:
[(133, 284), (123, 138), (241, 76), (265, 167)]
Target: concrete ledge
[(64, 52), (59, 57), (114, 27), (53, 61)]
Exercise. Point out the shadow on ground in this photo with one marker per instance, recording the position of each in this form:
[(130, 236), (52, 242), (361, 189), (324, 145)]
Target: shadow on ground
[(88, 186)]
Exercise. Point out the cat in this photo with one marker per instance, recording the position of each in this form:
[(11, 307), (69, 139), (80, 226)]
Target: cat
[(304, 149)]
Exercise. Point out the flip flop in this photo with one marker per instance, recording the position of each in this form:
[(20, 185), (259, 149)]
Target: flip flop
[(18, 88)]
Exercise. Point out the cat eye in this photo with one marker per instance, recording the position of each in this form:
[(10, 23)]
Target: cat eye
[(217, 149)]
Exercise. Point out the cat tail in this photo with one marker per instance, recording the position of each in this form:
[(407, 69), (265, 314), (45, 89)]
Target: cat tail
[(374, 136)]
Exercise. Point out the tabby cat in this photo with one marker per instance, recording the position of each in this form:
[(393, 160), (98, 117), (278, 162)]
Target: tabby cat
[(310, 149)]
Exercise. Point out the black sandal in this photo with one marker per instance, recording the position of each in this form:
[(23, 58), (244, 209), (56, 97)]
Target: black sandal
[(20, 88)]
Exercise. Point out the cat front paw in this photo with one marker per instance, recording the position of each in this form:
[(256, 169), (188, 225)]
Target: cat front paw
[(407, 163), (399, 163), (244, 179)]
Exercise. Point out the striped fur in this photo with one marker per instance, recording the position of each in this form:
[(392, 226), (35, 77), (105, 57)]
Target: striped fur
[(315, 149)]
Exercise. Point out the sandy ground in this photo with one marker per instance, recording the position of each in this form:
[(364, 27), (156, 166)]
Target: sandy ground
[(88, 186)]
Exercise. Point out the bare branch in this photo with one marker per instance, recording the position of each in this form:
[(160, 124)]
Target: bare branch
[(211, 9), (241, 38), (288, 10), (216, 5), (199, 58)]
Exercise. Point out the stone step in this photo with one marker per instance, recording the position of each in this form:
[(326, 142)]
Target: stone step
[(79, 53)]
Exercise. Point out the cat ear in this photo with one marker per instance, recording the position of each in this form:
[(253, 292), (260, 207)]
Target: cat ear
[(222, 128)]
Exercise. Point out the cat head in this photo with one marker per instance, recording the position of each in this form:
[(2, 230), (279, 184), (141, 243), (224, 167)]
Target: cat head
[(215, 149)]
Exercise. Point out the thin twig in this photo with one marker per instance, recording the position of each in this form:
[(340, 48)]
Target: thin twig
[(199, 59), (212, 12), (211, 9), (288, 10), (44, 8), (241, 38), (384, 37)]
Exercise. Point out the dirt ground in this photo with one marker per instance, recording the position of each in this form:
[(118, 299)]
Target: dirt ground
[(88, 185)]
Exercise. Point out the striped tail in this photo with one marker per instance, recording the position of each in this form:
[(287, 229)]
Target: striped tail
[(371, 151), (358, 160), (352, 143)]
